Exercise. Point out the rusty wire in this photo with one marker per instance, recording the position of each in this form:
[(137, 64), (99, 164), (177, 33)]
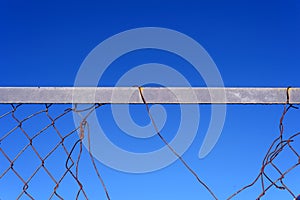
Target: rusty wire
[(71, 163), (84, 124), (277, 146), (172, 149)]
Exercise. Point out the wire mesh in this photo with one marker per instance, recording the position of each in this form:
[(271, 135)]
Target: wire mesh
[(43, 146), (280, 145), (37, 136)]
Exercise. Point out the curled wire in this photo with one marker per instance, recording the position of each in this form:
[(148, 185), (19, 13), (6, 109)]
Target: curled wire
[(276, 147), (83, 125)]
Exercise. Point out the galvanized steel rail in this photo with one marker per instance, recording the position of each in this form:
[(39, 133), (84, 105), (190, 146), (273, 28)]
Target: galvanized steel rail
[(159, 95)]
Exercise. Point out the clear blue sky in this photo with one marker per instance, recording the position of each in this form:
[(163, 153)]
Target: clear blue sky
[(253, 43)]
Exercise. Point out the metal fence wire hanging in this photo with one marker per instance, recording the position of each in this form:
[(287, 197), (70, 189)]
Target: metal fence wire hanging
[(279, 144)]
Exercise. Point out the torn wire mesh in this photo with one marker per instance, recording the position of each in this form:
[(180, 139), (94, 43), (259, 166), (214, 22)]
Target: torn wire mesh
[(37, 150), (280, 144)]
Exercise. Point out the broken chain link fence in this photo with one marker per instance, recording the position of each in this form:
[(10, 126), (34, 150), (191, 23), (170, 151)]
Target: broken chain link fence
[(40, 153)]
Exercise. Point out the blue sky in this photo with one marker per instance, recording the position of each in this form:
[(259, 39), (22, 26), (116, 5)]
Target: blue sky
[(253, 43)]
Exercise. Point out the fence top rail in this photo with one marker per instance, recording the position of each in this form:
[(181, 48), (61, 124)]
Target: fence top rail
[(158, 95)]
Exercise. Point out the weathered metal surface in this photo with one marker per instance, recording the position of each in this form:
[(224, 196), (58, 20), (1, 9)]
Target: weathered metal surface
[(159, 95)]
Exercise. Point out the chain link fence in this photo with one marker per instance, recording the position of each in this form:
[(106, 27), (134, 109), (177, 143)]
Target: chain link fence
[(41, 157)]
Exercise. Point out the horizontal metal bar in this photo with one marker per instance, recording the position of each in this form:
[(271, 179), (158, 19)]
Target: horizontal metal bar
[(159, 95)]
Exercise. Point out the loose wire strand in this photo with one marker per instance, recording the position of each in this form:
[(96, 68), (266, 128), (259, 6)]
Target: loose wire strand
[(171, 148)]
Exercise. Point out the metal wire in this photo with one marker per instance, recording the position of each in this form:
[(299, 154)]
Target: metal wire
[(172, 149), (276, 148), (72, 162)]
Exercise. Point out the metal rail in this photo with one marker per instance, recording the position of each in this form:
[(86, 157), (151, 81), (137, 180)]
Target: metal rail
[(159, 95)]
